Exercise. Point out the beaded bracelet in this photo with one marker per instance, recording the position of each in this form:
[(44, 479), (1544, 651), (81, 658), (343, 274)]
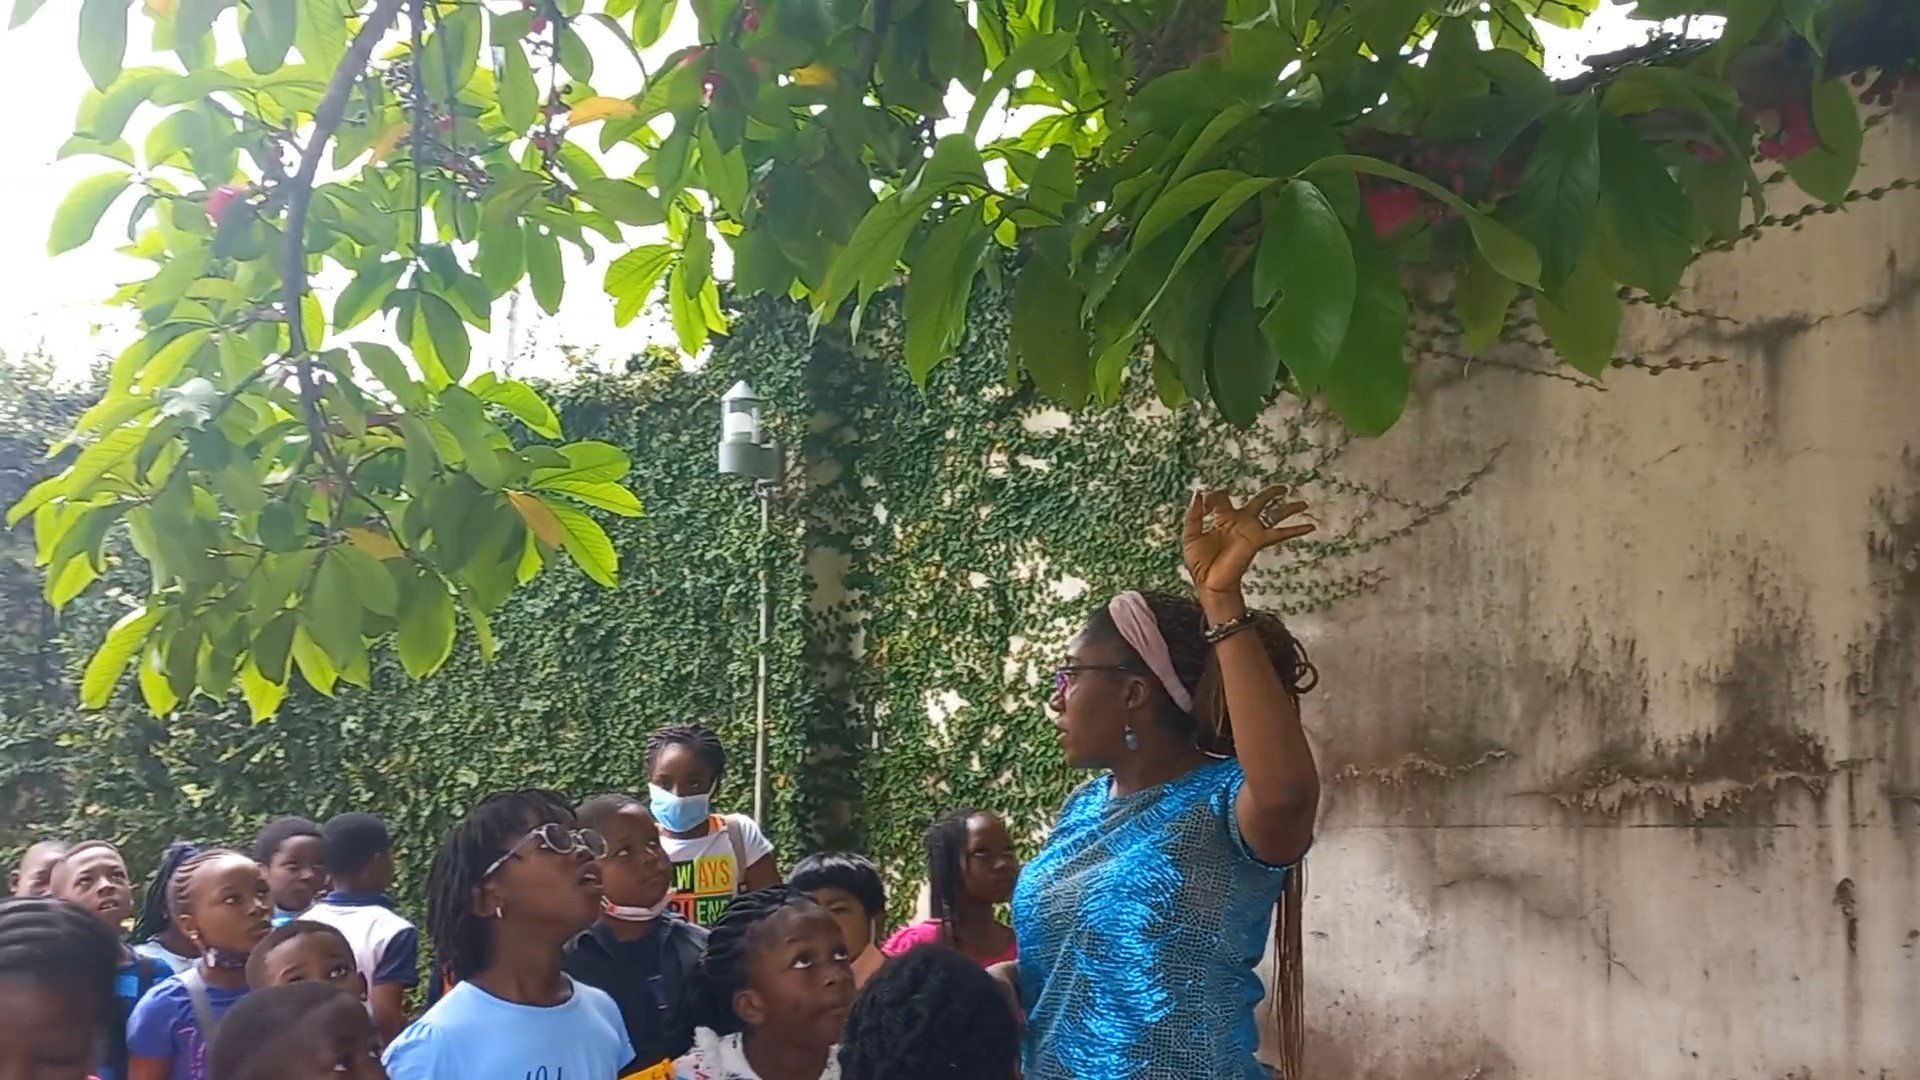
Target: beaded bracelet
[(1214, 635)]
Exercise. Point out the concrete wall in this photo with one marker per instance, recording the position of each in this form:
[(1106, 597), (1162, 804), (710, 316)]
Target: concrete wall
[(1623, 772)]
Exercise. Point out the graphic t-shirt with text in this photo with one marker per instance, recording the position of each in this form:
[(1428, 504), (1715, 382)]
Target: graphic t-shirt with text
[(706, 871)]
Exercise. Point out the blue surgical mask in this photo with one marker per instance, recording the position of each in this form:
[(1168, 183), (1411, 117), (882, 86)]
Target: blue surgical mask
[(678, 813)]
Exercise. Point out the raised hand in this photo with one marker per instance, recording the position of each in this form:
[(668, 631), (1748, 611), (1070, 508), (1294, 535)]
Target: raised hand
[(1222, 539)]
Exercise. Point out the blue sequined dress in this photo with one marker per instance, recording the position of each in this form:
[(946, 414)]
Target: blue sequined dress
[(1139, 927)]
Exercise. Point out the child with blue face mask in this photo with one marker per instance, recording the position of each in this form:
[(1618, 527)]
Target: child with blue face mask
[(716, 857)]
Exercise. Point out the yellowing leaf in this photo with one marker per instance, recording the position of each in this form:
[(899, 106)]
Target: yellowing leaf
[(162, 8), (388, 140), (815, 75), (593, 109), (377, 544), (539, 517)]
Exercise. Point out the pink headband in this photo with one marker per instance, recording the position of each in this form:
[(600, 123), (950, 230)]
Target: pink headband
[(1137, 625)]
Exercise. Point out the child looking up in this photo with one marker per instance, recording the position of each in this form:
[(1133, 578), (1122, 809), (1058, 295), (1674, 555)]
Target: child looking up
[(932, 1013), (716, 857), (220, 900), (295, 857), (640, 951), (36, 868), (93, 876), (359, 857), (516, 880), (770, 997), (971, 870), (299, 1031), (849, 887), (156, 933), (303, 951), (56, 988)]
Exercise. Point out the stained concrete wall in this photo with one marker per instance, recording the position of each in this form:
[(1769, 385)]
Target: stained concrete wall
[(1623, 777)]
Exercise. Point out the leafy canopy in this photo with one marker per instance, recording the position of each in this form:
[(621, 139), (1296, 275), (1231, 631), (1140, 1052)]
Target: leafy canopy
[(1221, 192)]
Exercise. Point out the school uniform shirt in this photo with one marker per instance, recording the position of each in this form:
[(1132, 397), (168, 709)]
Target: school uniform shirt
[(385, 945), (470, 1033), (163, 1025), (707, 872), (131, 981), (720, 1057), (645, 978), (156, 951)]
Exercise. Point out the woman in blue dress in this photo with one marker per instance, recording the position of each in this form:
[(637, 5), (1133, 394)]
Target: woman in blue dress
[(1141, 921)]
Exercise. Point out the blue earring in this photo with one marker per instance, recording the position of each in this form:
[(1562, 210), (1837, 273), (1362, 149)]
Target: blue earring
[(1133, 741)]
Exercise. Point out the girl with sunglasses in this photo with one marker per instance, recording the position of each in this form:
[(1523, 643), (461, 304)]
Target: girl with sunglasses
[(1150, 904), (514, 882)]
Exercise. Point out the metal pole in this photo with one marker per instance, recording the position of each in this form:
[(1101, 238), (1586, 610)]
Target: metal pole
[(765, 491)]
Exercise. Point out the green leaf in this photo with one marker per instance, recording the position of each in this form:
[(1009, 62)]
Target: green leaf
[(1183, 199), (625, 201), (392, 372), (501, 261), (1241, 365), (688, 325), (575, 58), (372, 583), (544, 269), (519, 95), (651, 19), (1368, 384), (426, 626), (1033, 54), (109, 662), (22, 11), (592, 550), (1585, 329), (451, 346), (1645, 232), (313, 663), (1047, 336), (1714, 188), (263, 695), (321, 33), (1827, 172), (79, 214), (267, 30), (938, 287), (333, 609), (366, 293), (630, 279), (1481, 296), (1306, 258), (154, 687), (609, 497), (1505, 249), (1560, 189), (588, 462), (103, 38), (521, 400), (725, 172)]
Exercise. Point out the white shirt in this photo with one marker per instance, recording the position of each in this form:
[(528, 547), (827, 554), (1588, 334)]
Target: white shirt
[(385, 945), (720, 1057), (707, 872)]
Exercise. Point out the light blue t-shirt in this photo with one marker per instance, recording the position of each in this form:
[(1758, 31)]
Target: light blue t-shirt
[(470, 1033)]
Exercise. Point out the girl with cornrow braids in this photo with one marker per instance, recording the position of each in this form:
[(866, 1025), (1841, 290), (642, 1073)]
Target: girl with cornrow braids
[(516, 879), (769, 998), (155, 932), (715, 857), (56, 988), (1141, 921), (221, 902)]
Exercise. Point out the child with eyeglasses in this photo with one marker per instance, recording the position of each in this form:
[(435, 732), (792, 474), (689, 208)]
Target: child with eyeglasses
[(515, 881)]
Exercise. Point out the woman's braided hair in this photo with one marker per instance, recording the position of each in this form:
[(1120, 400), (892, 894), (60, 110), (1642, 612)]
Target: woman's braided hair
[(1184, 626), (489, 829), (929, 1015), (946, 843), (51, 942), (156, 913), (722, 970)]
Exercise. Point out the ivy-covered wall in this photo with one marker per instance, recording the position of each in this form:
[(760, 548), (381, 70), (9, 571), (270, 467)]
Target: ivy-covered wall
[(930, 554)]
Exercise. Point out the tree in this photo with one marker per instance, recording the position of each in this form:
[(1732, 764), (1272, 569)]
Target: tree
[(1220, 192)]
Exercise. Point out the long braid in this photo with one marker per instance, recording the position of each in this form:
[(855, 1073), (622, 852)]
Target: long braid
[(46, 941), (462, 938), (946, 843), (1183, 625), (156, 915), (932, 1014), (722, 972)]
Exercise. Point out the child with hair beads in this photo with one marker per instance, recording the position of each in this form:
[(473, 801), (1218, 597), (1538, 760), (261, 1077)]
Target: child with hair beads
[(298, 1031), (93, 876), (932, 1013), (294, 855), (221, 901), (770, 997), (516, 880), (56, 988)]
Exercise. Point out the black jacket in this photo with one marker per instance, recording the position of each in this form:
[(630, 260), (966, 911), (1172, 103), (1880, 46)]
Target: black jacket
[(650, 1007)]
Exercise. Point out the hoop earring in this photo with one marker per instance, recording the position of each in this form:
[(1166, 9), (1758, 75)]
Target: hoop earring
[(1133, 740)]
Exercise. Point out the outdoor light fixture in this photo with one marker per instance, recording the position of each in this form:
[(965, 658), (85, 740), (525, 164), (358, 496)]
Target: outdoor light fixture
[(746, 450)]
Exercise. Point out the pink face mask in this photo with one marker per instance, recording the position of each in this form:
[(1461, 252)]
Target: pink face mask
[(636, 914)]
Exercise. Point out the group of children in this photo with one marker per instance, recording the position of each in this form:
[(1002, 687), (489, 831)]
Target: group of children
[(622, 938)]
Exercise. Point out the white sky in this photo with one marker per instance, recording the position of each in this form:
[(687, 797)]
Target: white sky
[(53, 303)]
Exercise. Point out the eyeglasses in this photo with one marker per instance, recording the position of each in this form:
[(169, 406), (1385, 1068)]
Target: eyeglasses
[(1063, 677), (556, 838)]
